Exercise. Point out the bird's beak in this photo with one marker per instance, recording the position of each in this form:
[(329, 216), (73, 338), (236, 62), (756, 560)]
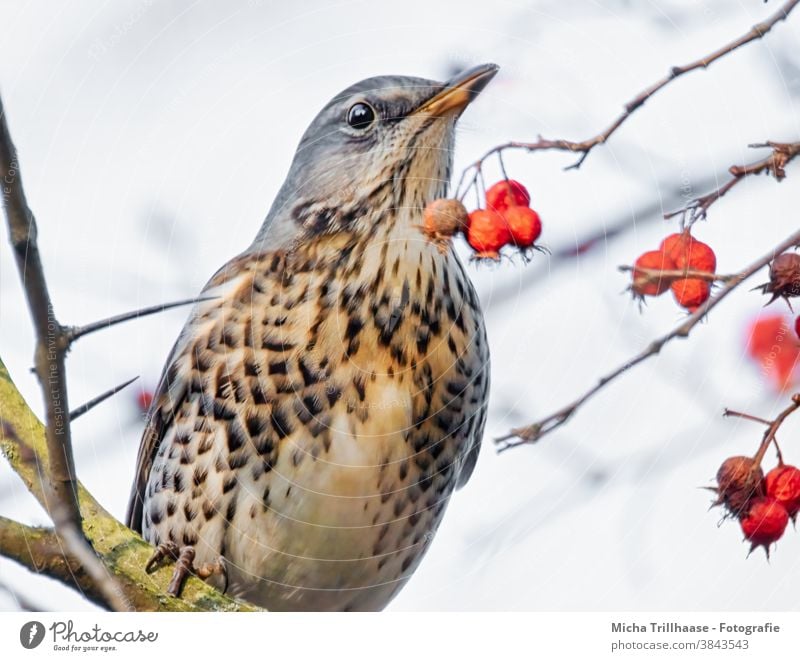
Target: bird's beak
[(459, 91)]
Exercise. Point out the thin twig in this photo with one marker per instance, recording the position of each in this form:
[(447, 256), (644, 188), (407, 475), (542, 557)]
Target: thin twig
[(72, 333), (584, 147), (728, 413), (88, 406), (600, 235), (51, 342), (769, 433), (535, 431), (775, 164), (646, 275), (59, 483)]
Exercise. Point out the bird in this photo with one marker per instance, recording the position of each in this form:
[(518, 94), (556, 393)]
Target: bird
[(328, 393)]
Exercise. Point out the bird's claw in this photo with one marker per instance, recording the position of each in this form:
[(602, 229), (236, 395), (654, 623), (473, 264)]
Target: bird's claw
[(166, 550), (184, 566)]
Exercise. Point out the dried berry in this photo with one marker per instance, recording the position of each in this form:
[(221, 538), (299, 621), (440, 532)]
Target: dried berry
[(524, 225), (505, 194), (784, 277), (642, 284), (764, 523), (739, 480), (487, 232), (783, 484), (442, 219), (691, 293)]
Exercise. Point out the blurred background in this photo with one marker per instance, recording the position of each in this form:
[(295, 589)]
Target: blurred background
[(154, 135)]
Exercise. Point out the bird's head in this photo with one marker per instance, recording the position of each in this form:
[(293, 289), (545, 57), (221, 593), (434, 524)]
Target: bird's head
[(384, 142)]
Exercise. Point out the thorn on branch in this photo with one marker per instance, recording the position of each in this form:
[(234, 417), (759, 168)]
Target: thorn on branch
[(88, 406), (73, 333)]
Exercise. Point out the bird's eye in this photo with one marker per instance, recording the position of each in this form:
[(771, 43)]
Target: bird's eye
[(360, 116)]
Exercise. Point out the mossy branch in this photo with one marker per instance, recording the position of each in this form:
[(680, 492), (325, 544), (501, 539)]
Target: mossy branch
[(122, 552)]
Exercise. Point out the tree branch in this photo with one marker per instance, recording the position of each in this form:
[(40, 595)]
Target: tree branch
[(51, 342), (73, 333), (584, 147), (122, 552), (772, 429), (647, 276), (775, 164), (536, 430), (88, 406), (112, 558)]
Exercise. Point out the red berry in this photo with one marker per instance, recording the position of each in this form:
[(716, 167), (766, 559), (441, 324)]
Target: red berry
[(654, 259), (764, 523), (691, 293), (505, 194), (797, 327), (764, 332), (783, 484), (673, 245), (768, 344), (524, 225), (144, 399), (739, 480), (487, 233), (689, 253)]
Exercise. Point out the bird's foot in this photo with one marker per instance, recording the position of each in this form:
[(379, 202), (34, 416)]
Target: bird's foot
[(184, 566)]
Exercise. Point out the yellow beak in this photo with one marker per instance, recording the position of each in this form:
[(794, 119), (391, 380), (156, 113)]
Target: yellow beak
[(459, 91)]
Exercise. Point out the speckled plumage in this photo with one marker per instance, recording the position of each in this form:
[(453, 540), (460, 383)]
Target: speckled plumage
[(316, 415)]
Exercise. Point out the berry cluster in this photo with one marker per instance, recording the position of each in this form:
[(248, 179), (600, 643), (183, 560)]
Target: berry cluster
[(762, 503), (677, 253), (507, 220)]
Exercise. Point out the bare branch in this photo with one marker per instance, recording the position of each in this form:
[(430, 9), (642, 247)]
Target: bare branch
[(584, 147), (123, 553), (646, 275), (51, 341), (728, 413), (40, 550), (70, 533), (535, 431), (72, 333), (88, 406), (99, 547), (774, 425), (774, 164)]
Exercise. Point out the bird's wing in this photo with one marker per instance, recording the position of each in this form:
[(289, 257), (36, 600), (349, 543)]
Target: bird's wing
[(172, 390), (476, 440), (158, 418)]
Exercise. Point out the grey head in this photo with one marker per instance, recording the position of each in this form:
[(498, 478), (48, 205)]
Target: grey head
[(385, 140)]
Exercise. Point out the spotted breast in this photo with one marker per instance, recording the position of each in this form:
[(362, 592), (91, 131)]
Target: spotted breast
[(315, 418)]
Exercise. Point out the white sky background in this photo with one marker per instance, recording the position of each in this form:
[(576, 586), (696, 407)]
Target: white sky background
[(153, 137)]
